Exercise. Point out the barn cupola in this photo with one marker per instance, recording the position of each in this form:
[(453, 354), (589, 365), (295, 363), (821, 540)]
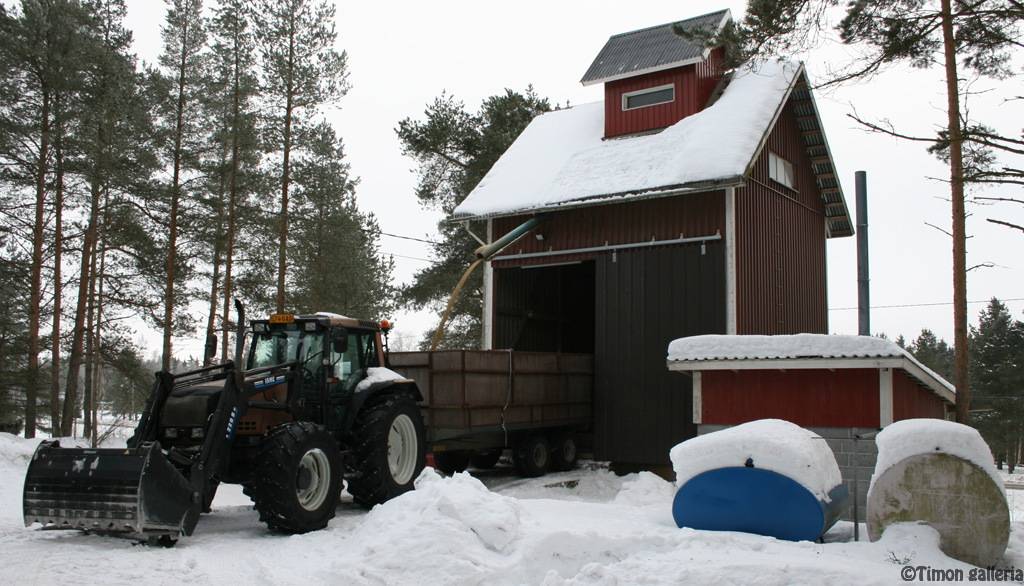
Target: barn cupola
[(654, 78)]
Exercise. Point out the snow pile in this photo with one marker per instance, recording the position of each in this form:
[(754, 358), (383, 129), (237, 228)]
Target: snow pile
[(772, 444), (911, 437), (16, 451), (376, 375), (561, 157), (645, 490)]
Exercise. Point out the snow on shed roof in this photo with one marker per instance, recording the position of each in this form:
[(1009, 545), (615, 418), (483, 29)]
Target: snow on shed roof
[(724, 352), (561, 160), (651, 49)]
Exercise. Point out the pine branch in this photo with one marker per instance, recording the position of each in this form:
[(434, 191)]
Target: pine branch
[(1007, 224)]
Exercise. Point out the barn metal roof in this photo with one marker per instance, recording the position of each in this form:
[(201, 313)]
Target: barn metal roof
[(651, 49), (797, 351)]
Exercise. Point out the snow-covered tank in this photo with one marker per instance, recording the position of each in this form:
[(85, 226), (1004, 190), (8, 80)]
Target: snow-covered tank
[(769, 477), (940, 473)]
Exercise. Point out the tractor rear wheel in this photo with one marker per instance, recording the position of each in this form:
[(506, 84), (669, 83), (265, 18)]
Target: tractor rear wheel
[(390, 449), (297, 478)]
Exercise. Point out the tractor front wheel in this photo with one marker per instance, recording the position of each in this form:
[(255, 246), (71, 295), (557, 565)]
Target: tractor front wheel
[(390, 449), (297, 478)]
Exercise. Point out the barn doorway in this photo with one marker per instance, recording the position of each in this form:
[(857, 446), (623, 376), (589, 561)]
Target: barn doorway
[(545, 308)]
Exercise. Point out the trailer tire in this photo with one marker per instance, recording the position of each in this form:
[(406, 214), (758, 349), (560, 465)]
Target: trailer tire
[(532, 456), (297, 479), (486, 460), (386, 463), (452, 462), (563, 452)]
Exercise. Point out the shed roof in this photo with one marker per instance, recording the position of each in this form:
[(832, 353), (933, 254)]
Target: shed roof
[(725, 352), (561, 159), (651, 49)]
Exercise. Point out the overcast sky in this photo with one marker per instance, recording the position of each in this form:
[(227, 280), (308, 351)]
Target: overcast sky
[(403, 54)]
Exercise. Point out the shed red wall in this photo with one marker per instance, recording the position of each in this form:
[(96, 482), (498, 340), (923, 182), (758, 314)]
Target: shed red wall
[(780, 243), (910, 400), (699, 214), (810, 398), (694, 85)]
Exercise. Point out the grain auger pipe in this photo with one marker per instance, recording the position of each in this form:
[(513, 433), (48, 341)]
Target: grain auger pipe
[(482, 254)]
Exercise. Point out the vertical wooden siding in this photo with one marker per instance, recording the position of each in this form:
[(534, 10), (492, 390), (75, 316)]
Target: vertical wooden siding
[(780, 256), (645, 299), (699, 214), (693, 86), (812, 398), (910, 400)]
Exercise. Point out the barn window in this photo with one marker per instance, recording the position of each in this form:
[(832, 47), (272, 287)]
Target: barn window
[(651, 96), (781, 170)]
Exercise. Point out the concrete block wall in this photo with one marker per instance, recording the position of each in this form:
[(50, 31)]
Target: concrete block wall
[(856, 459)]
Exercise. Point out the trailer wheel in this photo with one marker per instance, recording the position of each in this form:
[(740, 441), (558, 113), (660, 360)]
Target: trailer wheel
[(532, 456), (390, 449), (486, 460), (297, 478), (564, 453), (452, 462)]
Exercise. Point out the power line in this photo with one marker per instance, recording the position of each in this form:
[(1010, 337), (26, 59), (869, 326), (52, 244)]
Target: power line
[(409, 257), (921, 304), (413, 238)]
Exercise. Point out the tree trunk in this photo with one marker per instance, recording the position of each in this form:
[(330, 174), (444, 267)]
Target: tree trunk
[(172, 243), (35, 295), (956, 179), (78, 334), (232, 202), (90, 348), (97, 377), (58, 286), (282, 251)]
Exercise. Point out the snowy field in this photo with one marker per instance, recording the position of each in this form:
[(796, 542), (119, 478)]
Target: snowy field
[(582, 527)]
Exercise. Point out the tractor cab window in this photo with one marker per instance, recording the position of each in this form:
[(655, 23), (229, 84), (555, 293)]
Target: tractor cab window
[(280, 346), (361, 354)]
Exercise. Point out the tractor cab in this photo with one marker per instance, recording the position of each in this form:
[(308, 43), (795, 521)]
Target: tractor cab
[(330, 354)]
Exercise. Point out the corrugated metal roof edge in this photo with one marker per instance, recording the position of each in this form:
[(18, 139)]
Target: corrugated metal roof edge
[(906, 361), (613, 198)]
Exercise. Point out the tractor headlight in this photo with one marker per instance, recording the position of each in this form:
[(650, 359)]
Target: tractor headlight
[(170, 432), (197, 433)]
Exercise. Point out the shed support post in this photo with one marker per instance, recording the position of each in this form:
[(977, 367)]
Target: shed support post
[(730, 261), (885, 414), (697, 407), (486, 329)]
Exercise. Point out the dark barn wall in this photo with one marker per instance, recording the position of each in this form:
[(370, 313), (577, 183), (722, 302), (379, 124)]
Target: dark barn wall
[(545, 309), (645, 299), (810, 398), (780, 243), (694, 85)]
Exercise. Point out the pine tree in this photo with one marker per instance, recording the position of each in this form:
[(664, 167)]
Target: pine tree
[(301, 71), (454, 149), (997, 371), (933, 353), (336, 264)]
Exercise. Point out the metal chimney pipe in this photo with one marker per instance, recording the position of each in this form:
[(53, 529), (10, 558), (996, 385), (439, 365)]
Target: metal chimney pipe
[(863, 281)]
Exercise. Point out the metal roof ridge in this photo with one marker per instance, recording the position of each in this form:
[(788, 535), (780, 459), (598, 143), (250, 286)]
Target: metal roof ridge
[(673, 22)]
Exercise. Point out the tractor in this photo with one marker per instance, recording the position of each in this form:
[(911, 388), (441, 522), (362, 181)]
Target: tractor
[(314, 405)]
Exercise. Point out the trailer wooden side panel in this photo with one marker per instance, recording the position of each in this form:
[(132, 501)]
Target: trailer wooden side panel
[(468, 392)]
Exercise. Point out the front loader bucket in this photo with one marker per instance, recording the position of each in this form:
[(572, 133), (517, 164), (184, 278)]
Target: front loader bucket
[(133, 490)]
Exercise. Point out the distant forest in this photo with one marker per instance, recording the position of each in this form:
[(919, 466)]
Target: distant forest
[(135, 190)]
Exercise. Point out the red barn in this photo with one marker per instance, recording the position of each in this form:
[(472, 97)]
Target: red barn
[(692, 200)]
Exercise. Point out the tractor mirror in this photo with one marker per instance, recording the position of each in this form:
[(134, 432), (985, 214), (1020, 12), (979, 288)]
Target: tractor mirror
[(339, 340), (211, 346)]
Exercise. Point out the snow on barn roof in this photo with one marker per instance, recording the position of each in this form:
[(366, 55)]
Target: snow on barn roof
[(561, 159), (652, 49), (722, 352)]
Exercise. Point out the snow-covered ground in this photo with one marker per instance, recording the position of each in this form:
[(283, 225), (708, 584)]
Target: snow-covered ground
[(582, 527)]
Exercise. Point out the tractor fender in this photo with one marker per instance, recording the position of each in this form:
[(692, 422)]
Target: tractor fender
[(390, 387)]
